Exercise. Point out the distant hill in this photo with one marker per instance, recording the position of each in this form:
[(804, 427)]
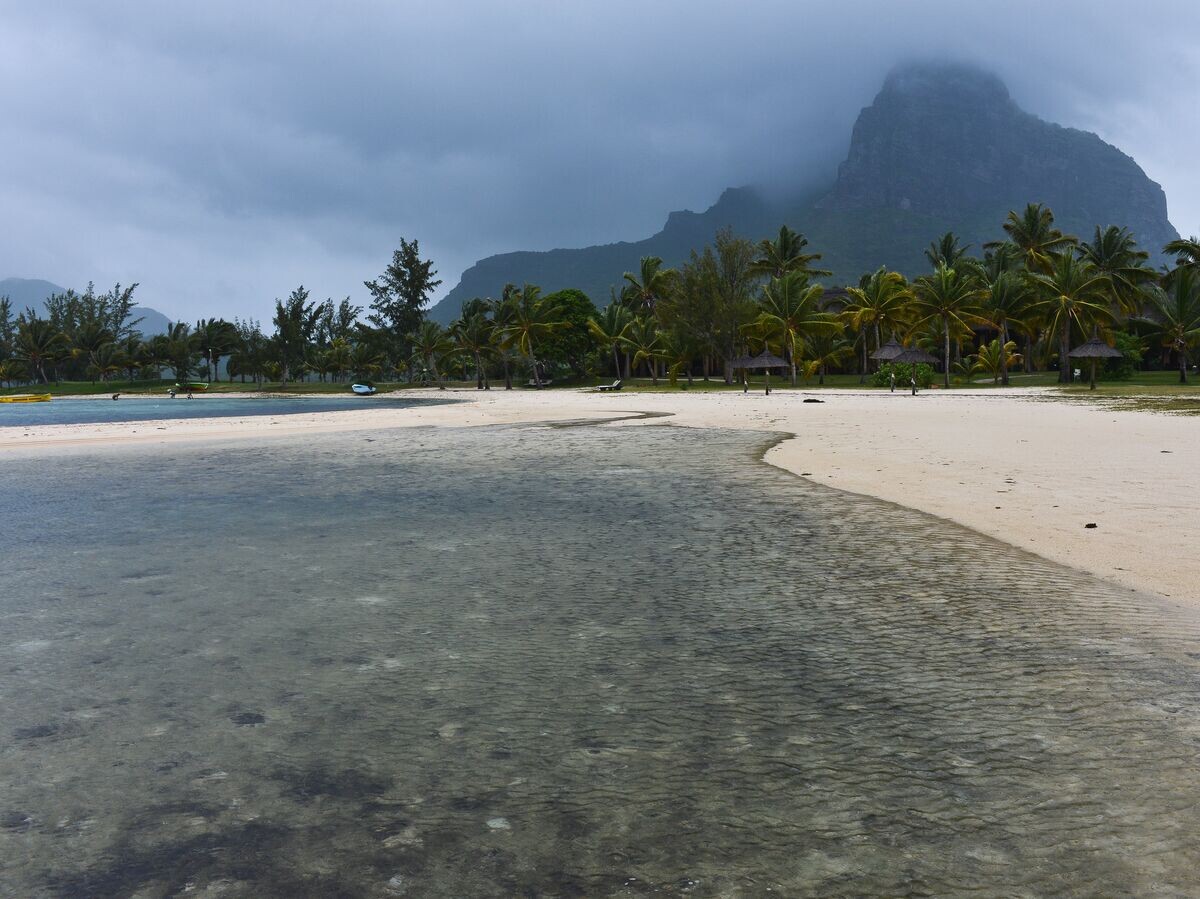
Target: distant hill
[(941, 148), (30, 293)]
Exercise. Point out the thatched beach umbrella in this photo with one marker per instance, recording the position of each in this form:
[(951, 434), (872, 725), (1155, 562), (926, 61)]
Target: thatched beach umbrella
[(889, 351), (1094, 349), (764, 360), (913, 355)]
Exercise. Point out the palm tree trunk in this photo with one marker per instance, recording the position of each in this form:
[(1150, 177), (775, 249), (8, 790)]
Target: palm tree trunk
[(1004, 353), (507, 375), (1064, 349), (616, 361), (537, 378), (862, 370), (626, 366), (946, 359), (1182, 366)]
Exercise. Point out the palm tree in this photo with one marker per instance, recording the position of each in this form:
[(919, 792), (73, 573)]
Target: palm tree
[(792, 311), (106, 360), (824, 351), (785, 254), (1114, 252), (1009, 302), (365, 360), (1174, 314), (1073, 293), (650, 284), (430, 342), (995, 358), (950, 298), (946, 250), (215, 338), (879, 303), (531, 320), (607, 328), (37, 343), (1186, 252), (476, 336), (641, 338), (678, 350), (87, 341), (1034, 233)]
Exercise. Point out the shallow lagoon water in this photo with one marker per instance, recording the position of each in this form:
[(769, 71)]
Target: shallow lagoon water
[(93, 410), (564, 662)]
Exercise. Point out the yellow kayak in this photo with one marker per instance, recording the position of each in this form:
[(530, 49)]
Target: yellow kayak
[(26, 398)]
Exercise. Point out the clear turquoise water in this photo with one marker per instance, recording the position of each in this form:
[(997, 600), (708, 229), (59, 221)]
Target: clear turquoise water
[(138, 408), (564, 662)]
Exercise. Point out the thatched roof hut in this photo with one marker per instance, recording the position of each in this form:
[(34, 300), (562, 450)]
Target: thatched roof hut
[(1094, 350), (889, 351)]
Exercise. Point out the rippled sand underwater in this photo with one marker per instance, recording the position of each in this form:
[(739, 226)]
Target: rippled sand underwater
[(564, 662)]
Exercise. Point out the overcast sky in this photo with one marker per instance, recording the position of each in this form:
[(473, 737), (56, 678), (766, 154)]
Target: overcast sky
[(221, 153)]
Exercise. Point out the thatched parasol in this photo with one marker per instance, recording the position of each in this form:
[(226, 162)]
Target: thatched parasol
[(889, 351), (913, 355), (1095, 349), (764, 360)]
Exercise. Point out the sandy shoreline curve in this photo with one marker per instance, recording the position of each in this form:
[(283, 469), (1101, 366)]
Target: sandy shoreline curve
[(1019, 466)]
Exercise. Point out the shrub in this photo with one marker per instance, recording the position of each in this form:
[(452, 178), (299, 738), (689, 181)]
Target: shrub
[(903, 372)]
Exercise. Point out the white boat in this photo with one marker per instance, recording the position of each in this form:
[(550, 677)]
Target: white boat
[(362, 389)]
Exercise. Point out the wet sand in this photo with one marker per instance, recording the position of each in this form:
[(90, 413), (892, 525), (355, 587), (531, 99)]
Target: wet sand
[(1019, 466)]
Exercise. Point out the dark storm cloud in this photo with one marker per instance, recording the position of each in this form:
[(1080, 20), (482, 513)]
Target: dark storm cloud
[(221, 153)]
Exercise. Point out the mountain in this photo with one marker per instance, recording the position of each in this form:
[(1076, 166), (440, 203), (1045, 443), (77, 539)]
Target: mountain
[(30, 293), (941, 148)]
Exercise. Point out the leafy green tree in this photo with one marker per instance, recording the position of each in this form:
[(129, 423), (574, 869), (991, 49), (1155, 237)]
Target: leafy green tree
[(948, 297), (1173, 318), (1074, 294), (791, 310), (8, 328), (399, 295), (295, 321), (785, 254), (606, 329), (573, 343)]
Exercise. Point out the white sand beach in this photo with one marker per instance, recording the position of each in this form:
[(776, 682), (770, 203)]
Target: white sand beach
[(1020, 466)]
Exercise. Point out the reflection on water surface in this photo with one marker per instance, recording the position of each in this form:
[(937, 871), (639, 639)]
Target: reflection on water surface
[(563, 662)]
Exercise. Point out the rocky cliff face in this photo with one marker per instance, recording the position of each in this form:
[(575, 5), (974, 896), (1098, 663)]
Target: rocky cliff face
[(941, 148), (949, 142)]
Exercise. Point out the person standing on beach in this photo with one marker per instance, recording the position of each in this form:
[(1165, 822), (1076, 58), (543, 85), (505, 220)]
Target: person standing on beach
[(913, 382), (892, 380)]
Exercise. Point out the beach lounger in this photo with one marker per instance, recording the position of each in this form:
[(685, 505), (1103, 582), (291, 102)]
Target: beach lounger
[(615, 385)]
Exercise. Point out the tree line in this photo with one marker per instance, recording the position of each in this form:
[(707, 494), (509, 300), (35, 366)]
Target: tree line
[(1022, 302)]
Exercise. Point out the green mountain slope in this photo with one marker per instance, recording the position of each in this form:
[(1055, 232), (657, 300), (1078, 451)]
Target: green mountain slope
[(941, 148)]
